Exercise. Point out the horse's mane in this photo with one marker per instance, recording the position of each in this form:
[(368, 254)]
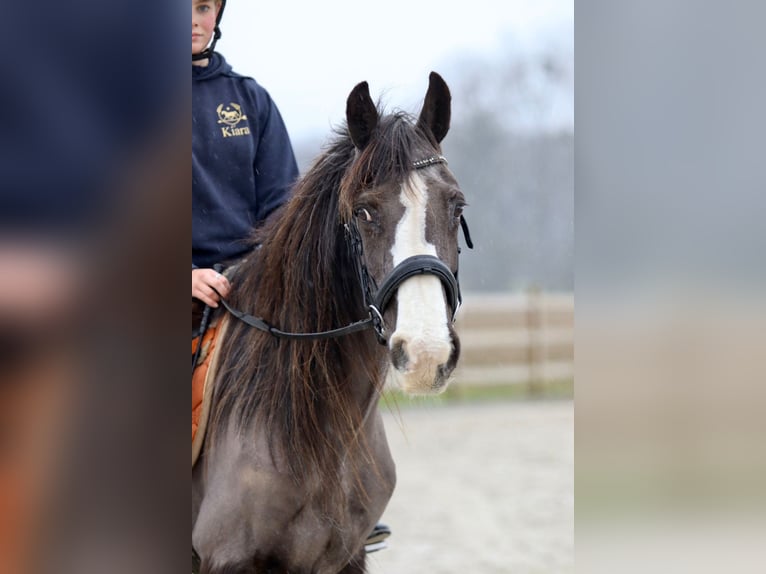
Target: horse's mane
[(302, 278)]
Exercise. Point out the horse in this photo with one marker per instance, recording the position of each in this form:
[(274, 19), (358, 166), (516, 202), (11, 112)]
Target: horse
[(295, 469)]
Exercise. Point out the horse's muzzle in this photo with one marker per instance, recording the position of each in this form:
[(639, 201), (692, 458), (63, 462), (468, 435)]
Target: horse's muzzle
[(422, 366)]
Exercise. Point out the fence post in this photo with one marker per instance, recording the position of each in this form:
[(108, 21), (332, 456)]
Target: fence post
[(535, 351)]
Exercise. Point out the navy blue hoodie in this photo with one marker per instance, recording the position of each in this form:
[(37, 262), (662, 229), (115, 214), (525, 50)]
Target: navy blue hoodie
[(243, 164)]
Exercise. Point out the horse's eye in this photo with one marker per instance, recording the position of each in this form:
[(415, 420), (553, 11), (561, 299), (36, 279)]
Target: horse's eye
[(364, 214), (458, 210)]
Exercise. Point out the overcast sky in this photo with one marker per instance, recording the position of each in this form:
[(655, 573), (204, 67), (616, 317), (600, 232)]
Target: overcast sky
[(309, 55)]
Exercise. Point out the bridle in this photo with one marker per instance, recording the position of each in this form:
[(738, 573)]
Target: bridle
[(377, 299)]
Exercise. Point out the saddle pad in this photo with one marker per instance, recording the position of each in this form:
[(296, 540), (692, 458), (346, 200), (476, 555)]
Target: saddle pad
[(201, 390)]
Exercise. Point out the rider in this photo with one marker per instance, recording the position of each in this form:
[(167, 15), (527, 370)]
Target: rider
[(243, 166)]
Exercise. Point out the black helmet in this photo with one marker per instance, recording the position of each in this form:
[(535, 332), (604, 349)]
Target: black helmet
[(207, 52)]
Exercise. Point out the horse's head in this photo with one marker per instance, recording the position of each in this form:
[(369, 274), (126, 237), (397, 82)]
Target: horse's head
[(403, 210)]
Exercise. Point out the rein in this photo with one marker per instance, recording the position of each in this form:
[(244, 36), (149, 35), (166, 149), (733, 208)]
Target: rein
[(377, 302)]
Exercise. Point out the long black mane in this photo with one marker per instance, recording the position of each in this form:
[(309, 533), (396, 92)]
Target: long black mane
[(302, 278)]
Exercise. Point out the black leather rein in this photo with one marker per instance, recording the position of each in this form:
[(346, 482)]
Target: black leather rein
[(262, 325), (378, 301)]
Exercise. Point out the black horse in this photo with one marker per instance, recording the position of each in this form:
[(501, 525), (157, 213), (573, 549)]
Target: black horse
[(295, 469)]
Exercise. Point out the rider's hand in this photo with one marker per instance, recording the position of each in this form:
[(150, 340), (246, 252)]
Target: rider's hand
[(205, 283)]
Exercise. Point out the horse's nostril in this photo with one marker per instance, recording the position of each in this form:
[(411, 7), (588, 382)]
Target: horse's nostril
[(399, 355)]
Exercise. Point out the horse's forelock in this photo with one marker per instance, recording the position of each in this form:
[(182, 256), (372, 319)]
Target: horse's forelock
[(387, 158)]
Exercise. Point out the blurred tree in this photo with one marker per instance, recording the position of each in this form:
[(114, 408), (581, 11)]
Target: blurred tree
[(511, 147)]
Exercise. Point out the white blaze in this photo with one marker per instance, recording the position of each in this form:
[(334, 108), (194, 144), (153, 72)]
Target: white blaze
[(421, 322)]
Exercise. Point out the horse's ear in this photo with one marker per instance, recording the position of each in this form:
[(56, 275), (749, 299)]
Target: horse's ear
[(436, 112), (361, 115)]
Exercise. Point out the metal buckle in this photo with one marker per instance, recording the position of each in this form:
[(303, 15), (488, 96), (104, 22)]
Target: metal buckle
[(378, 325)]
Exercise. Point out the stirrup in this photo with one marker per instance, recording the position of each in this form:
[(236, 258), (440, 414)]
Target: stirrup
[(377, 538)]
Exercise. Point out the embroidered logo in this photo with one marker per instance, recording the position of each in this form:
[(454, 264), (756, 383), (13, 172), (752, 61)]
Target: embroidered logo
[(230, 116)]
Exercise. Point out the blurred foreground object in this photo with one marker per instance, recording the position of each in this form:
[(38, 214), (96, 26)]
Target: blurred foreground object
[(94, 173), (671, 284), (38, 300)]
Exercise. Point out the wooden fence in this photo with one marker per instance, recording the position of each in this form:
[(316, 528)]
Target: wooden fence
[(516, 338)]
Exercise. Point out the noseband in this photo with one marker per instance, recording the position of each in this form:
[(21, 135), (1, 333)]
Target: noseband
[(377, 302), (377, 299)]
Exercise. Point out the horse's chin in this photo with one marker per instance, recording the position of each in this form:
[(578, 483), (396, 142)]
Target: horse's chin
[(421, 382)]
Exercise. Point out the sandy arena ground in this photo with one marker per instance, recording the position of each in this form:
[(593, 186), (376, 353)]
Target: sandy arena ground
[(482, 489)]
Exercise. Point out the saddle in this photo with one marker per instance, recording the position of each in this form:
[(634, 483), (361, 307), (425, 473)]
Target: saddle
[(203, 374), (205, 365)]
